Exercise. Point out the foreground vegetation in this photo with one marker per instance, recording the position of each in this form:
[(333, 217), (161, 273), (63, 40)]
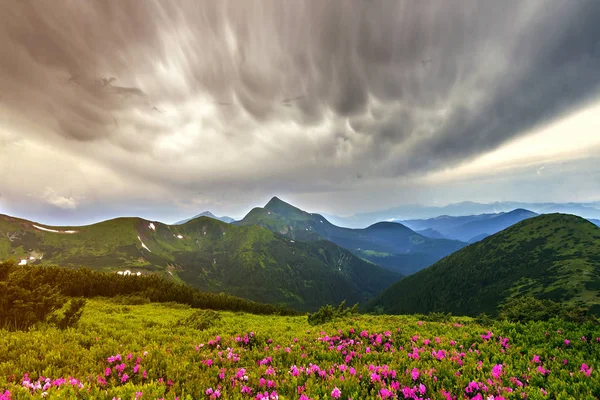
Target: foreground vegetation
[(171, 351)]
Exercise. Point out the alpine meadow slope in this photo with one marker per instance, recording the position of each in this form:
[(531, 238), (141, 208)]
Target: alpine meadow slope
[(552, 256), (389, 244), (249, 262)]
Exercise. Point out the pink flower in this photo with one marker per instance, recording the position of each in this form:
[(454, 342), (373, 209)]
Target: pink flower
[(497, 371), (124, 378), (415, 374), (336, 393), (542, 370), (567, 342), (586, 369)]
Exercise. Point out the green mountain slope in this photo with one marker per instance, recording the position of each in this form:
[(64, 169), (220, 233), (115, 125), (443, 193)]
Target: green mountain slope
[(391, 245), (553, 256), (250, 262)]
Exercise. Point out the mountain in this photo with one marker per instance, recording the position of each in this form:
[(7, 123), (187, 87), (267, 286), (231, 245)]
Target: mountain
[(208, 214), (249, 261), (553, 256), (465, 208), (472, 227), (478, 238), (431, 233), (391, 245), (595, 221)]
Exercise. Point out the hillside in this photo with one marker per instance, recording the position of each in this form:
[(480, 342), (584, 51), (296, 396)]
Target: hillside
[(388, 244), (250, 262), (208, 214), (470, 228), (553, 256)]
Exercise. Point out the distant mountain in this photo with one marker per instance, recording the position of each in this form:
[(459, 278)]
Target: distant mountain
[(465, 208), (208, 214), (472, 227), (595, 222), (250, 261), (431, 233), (388, 244), (478, 238), (553, 256)]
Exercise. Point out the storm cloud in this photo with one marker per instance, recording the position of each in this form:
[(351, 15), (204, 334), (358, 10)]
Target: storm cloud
[(189, 99)]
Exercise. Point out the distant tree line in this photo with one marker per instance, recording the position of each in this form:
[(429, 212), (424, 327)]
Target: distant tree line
[(31, 294)]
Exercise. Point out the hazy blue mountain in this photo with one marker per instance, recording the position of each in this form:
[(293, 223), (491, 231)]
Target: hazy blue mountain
[(389, 244), (208, 214), (471, 228), (595, 221), (465, 208), (478, 238), (431, 233)]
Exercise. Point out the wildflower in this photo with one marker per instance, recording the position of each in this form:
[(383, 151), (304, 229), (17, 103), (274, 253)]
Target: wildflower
[(586, 369), (336, 393), (567, 342), (415, 374), (542, 370), (124, 378), (497, 371)]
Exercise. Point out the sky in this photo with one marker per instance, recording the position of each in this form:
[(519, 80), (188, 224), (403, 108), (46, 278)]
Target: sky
[(166, 109)]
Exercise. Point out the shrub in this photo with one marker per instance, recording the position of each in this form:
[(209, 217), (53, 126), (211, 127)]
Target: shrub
[(329, 313), (200, 320), (528, 308)]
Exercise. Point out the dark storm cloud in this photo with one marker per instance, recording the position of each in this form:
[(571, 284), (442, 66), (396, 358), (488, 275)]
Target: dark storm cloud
[(294, 95)]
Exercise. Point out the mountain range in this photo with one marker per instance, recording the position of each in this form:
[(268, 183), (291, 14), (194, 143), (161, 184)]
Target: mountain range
[(246, 261), (552, 256), (280, 254), (470, 228), (586, 210), (391, 245)]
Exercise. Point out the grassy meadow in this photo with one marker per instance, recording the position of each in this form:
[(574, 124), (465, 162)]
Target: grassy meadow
[(169, 350)]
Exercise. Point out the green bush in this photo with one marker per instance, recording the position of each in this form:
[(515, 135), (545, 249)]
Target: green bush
[(24, 304), (200, 320), (528, 308), (328, 313)]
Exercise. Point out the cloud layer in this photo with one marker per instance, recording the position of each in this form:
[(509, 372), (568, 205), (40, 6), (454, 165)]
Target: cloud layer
[(188, 99)]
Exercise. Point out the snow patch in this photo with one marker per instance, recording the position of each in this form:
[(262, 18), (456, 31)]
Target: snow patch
[(32, 258), (143, 245), (23, 262), (151, 226), (179, 237), (41, 228), (128, 273)]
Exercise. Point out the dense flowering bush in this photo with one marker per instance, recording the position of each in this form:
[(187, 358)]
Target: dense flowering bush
[(125, 353)]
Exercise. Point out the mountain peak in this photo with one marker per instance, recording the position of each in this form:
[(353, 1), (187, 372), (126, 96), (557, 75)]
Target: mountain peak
[(282, 208)]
